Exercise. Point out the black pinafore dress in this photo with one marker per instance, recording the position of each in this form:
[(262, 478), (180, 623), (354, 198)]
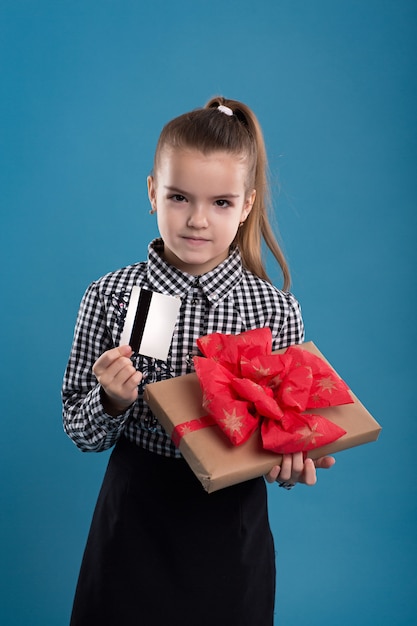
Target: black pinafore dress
[(163, 552)]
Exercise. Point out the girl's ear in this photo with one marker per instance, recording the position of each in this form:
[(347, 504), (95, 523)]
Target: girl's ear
[(152, 192), (250, 199)]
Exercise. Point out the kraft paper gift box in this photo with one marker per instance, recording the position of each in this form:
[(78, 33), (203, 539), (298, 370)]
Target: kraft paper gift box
[(218, 463)]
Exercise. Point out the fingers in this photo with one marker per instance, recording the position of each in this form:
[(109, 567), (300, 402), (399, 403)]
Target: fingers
[(109, 357), (292, 466), (290, 470), (295, 468), (309, 473), (272, 476), (112, 364), (118, 377)]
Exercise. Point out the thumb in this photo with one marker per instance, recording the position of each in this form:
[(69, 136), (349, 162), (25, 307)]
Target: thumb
[(325, 462), (125, 350)]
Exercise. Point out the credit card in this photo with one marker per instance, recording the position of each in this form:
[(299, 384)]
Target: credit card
[(150, 322)]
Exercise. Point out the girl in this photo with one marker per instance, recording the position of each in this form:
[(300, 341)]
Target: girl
[(161, 551)]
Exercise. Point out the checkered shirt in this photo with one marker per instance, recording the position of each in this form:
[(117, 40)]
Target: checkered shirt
[(228, 299)]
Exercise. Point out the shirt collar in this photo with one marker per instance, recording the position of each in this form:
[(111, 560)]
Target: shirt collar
[(215, 285)]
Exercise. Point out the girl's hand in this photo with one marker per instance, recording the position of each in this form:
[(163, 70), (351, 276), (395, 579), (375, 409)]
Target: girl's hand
[(295, 468), (118, 378)]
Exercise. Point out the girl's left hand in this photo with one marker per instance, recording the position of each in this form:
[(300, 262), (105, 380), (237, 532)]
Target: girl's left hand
[(296, 469)]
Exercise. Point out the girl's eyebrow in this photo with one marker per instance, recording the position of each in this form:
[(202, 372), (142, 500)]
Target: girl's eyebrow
[(176, 190), (186, 193)]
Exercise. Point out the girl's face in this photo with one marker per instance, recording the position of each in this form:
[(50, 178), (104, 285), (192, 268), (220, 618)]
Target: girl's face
[(200, 200)]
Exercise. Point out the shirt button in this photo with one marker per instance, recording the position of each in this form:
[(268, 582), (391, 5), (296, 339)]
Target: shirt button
[(194, 301)]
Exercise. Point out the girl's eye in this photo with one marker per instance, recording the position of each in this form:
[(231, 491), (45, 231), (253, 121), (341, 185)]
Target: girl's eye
[(177, 197), (222, 203)]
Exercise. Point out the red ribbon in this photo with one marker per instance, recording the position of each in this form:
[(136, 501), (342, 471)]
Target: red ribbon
[(245, 387), (191, 426)]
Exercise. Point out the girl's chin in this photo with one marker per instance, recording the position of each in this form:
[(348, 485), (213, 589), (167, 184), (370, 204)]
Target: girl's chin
[(193, 264), (193, 258)]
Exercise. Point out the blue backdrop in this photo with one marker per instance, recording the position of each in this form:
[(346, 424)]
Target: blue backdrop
[(86, 86)]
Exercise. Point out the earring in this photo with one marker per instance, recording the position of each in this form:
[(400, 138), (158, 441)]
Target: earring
[(152, 211)]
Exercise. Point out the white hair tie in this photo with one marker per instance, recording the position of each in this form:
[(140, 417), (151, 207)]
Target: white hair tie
[(224, 109)]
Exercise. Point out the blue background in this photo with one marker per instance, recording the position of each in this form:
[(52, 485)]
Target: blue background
[(85, 89)]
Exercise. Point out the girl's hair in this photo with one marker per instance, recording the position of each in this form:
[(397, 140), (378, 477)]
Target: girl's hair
[(210, 129)]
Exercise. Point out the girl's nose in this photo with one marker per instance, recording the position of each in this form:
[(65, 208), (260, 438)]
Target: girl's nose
[(197, 218)]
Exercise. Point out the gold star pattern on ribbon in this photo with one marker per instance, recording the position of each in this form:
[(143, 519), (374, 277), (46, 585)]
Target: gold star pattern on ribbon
[(327, 384), (275, 382), (309, 435), (206, 400), (232, 423), (261, 372), (185, 429)]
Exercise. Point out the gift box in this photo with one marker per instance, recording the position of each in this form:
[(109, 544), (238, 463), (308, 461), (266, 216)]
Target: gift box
[(222, 455)]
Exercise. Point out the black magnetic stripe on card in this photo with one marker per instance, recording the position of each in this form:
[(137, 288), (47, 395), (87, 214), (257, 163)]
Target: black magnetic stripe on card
[(141, 317)]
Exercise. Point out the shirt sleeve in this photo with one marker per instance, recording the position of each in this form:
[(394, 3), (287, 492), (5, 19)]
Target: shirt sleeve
[(85, 420), (291, 331)]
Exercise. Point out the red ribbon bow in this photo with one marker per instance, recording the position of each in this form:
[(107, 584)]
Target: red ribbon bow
[(245, 386)]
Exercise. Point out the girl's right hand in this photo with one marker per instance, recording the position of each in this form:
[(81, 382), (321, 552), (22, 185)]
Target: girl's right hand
[(118, 378)]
